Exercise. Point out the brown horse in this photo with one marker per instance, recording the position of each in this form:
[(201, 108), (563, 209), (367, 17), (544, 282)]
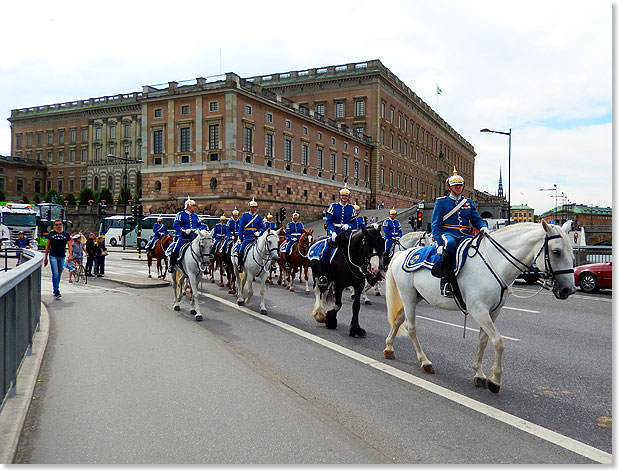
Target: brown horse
[(282, 256), (298, 260), (158, 252), (223, 263)]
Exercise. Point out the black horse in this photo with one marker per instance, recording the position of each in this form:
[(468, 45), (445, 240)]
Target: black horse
[(358, 258)]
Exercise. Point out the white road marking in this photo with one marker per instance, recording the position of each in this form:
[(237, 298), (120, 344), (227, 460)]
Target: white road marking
[(548, 435), (460, 326), (522, 309)]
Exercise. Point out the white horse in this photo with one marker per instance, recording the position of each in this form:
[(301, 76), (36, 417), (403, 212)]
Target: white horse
[(190, 267), (258, 262), (489, 270)]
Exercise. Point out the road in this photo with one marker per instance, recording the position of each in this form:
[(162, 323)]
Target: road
[(347, 403)]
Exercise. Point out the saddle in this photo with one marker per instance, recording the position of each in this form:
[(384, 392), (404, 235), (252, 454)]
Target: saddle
[(236, 248), (317, 250)]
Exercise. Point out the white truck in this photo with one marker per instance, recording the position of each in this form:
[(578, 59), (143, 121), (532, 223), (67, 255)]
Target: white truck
[(20, 218)]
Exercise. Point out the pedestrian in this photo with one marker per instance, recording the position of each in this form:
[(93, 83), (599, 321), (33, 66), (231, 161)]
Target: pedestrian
[(55, 248), (22, 242), (90, 253), (79, 247), (101, 253)]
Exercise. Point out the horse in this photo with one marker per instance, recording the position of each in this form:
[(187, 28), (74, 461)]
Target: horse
[(281, 261), (158, 252), (298, 261), (258, 261), (494, 262), (357, 259), (223, 264), (190, 267)]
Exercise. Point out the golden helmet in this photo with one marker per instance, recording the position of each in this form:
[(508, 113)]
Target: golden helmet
[(455, 178)]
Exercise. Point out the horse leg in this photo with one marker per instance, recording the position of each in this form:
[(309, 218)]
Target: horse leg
[(307, 290), (355, 329), (331, 315), (291, 276), (262, 294), (195, 309), (389, 352), (410, 314), (177, 291), (488, 331), (149, 258), (364, 294)]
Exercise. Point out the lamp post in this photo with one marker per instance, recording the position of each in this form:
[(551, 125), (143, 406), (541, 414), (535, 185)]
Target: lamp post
[(555, 189), (126, 161), (509, 193)]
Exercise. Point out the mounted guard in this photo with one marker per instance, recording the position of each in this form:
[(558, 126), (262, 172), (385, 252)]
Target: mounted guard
[(250, 226), (185, 225), (232, 225), (159, 231), (451, 222), (220, 232), (339, 217), (359, 221), (269, 224), (293, 231), (392, 234)]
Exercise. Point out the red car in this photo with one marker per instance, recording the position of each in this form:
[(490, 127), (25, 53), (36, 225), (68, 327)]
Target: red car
[(592, 277)]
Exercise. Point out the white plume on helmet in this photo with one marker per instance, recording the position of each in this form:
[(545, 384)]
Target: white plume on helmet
[(189, 202)]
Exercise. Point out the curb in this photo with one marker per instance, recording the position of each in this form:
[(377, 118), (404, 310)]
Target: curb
[(140, 285), (15, 410)]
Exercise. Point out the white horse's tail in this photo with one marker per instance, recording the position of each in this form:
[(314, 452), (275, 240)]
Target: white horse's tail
[(393, 299)]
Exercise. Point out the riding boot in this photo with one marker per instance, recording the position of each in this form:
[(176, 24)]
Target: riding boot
[(446, 288), (240, 261), (172, 262)]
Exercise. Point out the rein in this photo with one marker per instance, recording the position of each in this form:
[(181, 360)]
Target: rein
[(264, 255), (363, 269)]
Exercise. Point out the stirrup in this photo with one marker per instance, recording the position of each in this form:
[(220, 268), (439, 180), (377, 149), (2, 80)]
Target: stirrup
[(446, 289), (322, 281)]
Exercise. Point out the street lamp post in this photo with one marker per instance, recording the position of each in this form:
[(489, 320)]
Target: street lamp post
[(126, 161), (555, 189), (508, 210)]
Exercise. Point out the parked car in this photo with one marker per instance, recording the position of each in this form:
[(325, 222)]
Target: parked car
[(592, 277)]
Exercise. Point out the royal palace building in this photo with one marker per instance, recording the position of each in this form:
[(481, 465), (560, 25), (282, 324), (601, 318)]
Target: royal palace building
[(289, 139)]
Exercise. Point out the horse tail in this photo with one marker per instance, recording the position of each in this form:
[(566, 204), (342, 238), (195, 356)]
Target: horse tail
[(393, 299)]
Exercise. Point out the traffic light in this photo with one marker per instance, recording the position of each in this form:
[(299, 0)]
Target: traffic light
[(282, 212), (137, 211), (419, 219), (134, 211), (411, 221), (101, 210)]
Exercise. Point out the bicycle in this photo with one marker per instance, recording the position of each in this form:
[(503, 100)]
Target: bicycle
[(80, 273)]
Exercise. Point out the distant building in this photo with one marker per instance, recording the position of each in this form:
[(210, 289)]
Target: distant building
[(522, 213), (597, 221), (21, 177)]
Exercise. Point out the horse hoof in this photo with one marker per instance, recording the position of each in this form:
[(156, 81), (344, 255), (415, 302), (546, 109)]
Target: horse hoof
[(331, 321), (149, 275), (307, 292), (263, 311), (367, 302), (291, 289), (378, 294), (319, 317), (193, 312), (241, 302), (493, 387), (428, 368), (389, 354), (177, 308), (198, 318), (357, 332), (480, 382), (221, 284)]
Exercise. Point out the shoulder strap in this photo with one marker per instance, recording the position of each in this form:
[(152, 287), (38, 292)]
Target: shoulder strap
[(455, 209)]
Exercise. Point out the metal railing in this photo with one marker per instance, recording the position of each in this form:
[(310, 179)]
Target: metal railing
[(20, 311), (588, 254)]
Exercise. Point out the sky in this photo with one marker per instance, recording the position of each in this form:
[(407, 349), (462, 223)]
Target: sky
[(542, 68)]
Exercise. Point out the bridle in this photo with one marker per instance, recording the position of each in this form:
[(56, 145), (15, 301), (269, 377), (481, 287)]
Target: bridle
[(305, 245), (200, 255), (363, 269), (265, 255)]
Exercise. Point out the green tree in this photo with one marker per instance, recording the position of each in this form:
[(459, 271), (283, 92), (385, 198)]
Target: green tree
[(36, 199), (85, 195), (25, 199), (71, 199), (138, 196), (2, 195), (105, 195), (53, 196), (124, 195)]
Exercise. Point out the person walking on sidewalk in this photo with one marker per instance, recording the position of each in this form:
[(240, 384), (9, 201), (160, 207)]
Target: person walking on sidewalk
[(78, 251), (90, 253), (55, 249)]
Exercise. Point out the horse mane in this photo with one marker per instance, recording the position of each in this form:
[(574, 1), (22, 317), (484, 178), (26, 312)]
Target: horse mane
[(527, 227)]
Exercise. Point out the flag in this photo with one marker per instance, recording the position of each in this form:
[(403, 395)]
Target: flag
[(438, 90)]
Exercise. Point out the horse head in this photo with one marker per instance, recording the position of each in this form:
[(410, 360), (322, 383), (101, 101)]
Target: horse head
[(559, 259), (270, 243), (204, 240), (305, 241), (372, 249)]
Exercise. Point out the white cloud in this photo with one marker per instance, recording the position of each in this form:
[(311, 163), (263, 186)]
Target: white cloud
[(528, 65)]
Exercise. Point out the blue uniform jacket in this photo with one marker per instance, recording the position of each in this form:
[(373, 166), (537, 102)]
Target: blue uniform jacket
[(358, 223), (159, 231), (294, 230), (184, 220), (250, 226), (459, 224), (270, 225), (392, 230), (221, 232), (233, 226), (338, 215)]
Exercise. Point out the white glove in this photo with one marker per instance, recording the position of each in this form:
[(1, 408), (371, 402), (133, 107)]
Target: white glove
[(397, 238), (484, 230), (188, 231), (345, 227), (333, 236), (440, 250)]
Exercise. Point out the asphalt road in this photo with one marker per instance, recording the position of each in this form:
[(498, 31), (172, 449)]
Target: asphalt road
[(244, 388)]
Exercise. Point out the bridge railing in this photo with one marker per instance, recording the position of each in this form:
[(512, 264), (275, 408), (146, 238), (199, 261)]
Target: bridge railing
[(20, 311), (587, 254)]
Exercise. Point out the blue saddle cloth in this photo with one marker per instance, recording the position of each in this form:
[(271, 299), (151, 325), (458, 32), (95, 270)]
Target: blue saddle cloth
[(236, 248), (317, 250), (427, 257)]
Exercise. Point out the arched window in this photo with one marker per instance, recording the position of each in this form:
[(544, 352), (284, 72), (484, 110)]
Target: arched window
[(96, 183), (213, 183), (157, 186), (110, 182)]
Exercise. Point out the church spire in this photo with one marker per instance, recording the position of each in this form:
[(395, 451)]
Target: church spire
[(500, 190)]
